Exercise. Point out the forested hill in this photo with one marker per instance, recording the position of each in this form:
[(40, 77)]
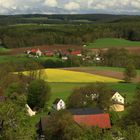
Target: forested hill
[(67, 19), (18, 31)]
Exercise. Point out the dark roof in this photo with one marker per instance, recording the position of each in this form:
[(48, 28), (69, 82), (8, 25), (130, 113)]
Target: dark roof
[(113, 92), (56, 101), (86, 111)]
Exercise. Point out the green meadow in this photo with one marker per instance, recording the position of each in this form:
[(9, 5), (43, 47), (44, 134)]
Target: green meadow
[(113, 42)]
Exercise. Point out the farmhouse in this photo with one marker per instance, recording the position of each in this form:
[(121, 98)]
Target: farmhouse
[(58, 104), (76, 53), (117, 102), (116, 98), (49, 53), (91, 117)]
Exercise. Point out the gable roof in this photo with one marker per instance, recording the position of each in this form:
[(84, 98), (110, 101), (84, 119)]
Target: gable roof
[(56, 101), (100, 120), (86, 111), (76, 52)]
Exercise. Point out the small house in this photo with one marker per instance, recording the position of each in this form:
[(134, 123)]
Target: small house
[(49, 53), (76, 53), (64, 58), (117, 102), (59, 104)]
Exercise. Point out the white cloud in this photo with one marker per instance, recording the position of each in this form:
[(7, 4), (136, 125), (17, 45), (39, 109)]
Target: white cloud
[(51, 3), (72, 6), (69, 6)]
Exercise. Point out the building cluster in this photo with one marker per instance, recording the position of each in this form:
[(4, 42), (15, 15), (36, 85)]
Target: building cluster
[(87, 116), (64, 55)]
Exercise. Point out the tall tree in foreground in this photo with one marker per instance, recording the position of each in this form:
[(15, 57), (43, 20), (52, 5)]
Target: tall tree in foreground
[(133, 115), (61, 126), (14, 123), (130, 72), (38, 94)]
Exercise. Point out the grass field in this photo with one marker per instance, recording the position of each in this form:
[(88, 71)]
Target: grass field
[(113, 42), (2, 49), (63, 90), (22, 58), (57, 75)]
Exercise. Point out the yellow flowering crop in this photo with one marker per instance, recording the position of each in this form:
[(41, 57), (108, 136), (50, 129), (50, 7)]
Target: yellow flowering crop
[(57, 75)]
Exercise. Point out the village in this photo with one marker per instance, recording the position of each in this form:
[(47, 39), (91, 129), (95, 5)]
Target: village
[(69, 70)]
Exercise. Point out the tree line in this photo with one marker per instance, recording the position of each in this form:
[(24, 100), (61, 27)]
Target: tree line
[(33, 35)]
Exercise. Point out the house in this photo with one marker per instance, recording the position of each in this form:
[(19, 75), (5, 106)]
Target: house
[(117, 97), (59, 104), (91, 117), (49, 53), (87, 116), (34, 52), (64, 58), (117, 102), (76, 53), (30, 111)]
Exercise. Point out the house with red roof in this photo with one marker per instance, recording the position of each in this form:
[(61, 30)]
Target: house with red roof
[(49, 53), (91, 117), (76, 53)]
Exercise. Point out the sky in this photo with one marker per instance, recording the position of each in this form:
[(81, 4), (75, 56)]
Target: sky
[(69, 6)]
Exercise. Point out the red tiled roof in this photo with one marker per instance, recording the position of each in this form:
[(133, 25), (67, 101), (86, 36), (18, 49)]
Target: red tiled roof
[(76, 52), (49, 53), (100, 120), (34, 50)]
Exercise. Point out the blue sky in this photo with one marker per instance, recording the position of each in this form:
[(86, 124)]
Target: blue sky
[(69, 6)]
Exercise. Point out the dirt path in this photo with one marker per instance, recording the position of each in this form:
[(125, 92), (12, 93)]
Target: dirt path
[(108, 73)]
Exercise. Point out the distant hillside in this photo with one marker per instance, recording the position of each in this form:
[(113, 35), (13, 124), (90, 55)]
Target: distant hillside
[(113, 42), (67, 19)]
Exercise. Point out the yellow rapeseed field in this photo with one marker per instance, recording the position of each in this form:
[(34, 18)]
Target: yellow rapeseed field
[(57, 75)]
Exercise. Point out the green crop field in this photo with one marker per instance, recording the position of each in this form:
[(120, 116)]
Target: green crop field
[(113, 42)]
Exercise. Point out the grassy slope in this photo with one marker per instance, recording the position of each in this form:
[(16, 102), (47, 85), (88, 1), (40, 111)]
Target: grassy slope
[(22, 58), (63, 90), (113, 42), (2, 49)]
